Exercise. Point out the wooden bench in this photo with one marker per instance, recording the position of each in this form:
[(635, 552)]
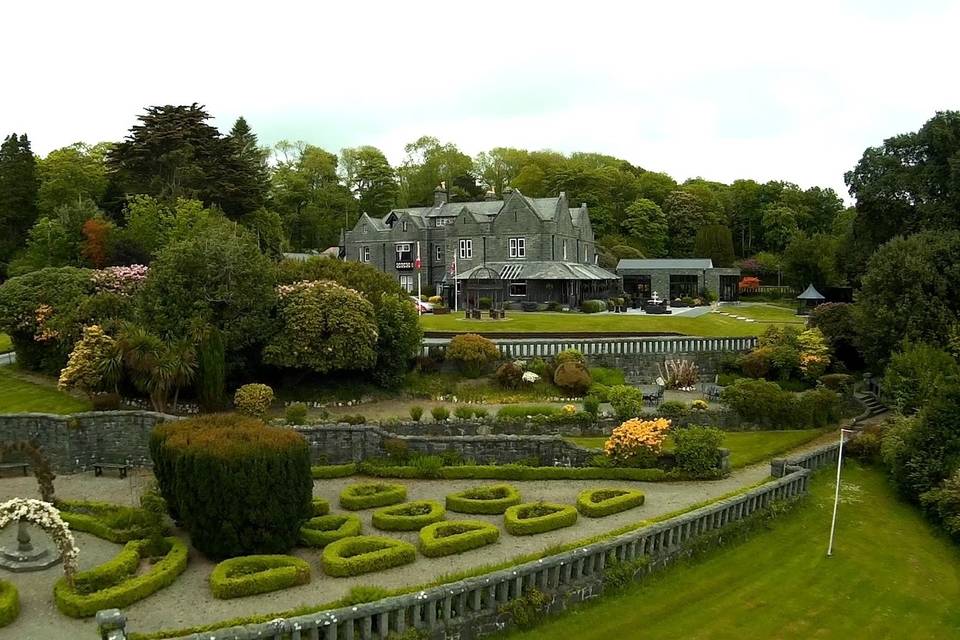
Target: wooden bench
[(23, 466), (120, 467)]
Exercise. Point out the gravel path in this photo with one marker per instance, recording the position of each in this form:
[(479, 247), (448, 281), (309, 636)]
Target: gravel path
[(188, 601)]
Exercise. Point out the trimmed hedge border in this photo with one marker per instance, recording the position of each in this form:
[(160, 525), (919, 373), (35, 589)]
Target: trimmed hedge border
[(363, 554), (456, 536), (371, 494), (91, 517), (9, 603), (319, 507), (328, 471), (323, 530), (562, 515), (127, 590), (518, 472), (473, 501), (250, 575), (618, 500), (398, 518)]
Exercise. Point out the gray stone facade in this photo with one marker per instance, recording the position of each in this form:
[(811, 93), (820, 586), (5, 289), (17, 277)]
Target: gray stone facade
[(677, 278), (540, 249)]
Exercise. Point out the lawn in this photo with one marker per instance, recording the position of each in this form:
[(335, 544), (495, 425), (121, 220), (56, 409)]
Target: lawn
[(20, 393), (5, 343), (891, 576), (710, 324), (746, 447), (765, 313)]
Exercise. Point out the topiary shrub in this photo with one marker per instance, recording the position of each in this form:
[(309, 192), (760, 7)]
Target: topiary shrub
[(296, 413), (321, 531), (697, 450), (597, 503), (238, 486), (593, 306), (472, 353), (572, 376), (115, 584), (368, 495), (363, 554), (253, 399), (409, 516), (538, 517), (319, 507), (250, 575), (416, 412), (446, 538), (509, 375), (9, 603), (440, 414), (488, 500)]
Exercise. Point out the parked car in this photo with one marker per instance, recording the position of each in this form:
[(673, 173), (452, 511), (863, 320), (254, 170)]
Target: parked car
[(420, 305)]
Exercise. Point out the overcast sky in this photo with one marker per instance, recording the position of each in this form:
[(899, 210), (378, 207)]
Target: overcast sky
[(722, 90)]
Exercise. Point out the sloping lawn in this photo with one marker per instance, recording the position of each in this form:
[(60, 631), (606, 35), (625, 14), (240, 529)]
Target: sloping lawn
[(5, 343), (711, 324), (746, 447), (891, 576), (766, 313), (20, 394)]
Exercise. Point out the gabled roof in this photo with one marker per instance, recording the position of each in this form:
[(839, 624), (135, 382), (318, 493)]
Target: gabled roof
[(665, 263)]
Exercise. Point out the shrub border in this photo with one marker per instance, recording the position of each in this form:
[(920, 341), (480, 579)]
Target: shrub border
[(630, 499), (519, 472), (387, 518), (483, 534), (276, 572), (94, 524), (396, 553), (319, 507), (315, 537), (460, 503), (329, 471), (392, 494), (9, 602), (565, 516)]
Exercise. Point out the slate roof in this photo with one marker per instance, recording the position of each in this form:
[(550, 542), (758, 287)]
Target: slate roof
[(542, 270), (665, 263), (545, 208)]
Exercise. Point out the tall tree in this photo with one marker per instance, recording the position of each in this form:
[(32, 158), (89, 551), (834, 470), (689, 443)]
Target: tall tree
[(370, 178), (779, 227), (71, 174), (498, 167), (429, 164), (685, 215), (646, 222), (18, 194), (175, 153), (715, 241)]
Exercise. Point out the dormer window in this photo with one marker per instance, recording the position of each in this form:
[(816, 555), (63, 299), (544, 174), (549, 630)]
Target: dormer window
[(363, 228)]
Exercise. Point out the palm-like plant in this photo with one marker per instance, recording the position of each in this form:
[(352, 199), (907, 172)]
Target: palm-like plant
[(155, 367)]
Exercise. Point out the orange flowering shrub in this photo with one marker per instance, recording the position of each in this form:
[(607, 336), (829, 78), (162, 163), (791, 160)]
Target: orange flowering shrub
[(637, 443)]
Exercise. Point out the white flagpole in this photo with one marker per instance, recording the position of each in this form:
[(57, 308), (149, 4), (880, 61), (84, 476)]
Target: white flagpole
[(456, 287), (836, 493), (419, 291)]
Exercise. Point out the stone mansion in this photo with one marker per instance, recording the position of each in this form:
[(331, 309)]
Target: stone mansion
[(518, 249)]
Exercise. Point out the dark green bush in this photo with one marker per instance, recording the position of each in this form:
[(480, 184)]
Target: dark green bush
[(917, 374), (250, 575), (591, 404), (488, 500), (363, 554), (593, 306), (326, 472), (237, 485), (9, 603), (322, 530), (528, 610), (672, 410), (463, 412), (353, 419), (296, 413), (111, 522), (597, 503), (842, 383), (319, 507), (397, 450), (697, 450), (371, 494), (538, 517), (408, 516), (416, 412), (524, 411), (449, 537), (627, 401), (440, 413)]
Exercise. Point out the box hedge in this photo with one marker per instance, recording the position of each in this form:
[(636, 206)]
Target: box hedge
[(111, 522), (597, 503), (250, 575), (488, 500), (238, 486), (538, 517), (322, 530), (408, 516), (328, 471), (456, 536), (9, 603), (319, 507), (125, 588), (363, 554), (520, 472), (371, 494)]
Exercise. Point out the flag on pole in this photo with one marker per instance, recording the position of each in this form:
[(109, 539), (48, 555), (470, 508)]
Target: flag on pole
[(456, 286), (419, 290)]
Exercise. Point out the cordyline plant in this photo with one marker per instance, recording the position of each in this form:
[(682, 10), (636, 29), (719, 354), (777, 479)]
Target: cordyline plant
[(679, 374)]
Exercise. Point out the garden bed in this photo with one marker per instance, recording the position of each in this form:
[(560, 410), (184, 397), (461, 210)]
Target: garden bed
[(538, 517), (368, 495), (488, 500), (363, 554), (408, 516), (111, 522), (597, 503), (250, 575), (456, 536)]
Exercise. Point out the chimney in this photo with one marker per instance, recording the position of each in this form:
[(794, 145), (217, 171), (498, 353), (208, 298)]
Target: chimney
[(439, 196)]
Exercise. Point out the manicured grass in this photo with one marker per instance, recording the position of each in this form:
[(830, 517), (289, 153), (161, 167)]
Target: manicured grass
[(765, 313), (21, 394), (711, 324), (746, 447), (891, 576), (5, 343)]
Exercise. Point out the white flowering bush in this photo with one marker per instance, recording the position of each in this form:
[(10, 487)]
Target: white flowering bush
[(530, 377), (45, 516)]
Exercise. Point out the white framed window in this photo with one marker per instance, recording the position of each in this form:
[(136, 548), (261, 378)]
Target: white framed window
[(363, 228), (406, 281), (439, 253), (586, 257), (564, 249), (364, 254), (518, 247), (466, 249), (442, 222), (403, 226), (518, 288), (403, 252)]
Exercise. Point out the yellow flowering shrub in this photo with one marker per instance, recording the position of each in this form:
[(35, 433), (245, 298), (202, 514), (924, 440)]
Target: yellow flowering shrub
[(637, 443), (569, 409)]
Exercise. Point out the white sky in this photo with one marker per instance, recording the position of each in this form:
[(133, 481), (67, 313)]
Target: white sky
[(723, 90)]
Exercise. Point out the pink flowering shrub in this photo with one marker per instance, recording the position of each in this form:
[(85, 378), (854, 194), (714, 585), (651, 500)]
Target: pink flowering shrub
[(120, 280)]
